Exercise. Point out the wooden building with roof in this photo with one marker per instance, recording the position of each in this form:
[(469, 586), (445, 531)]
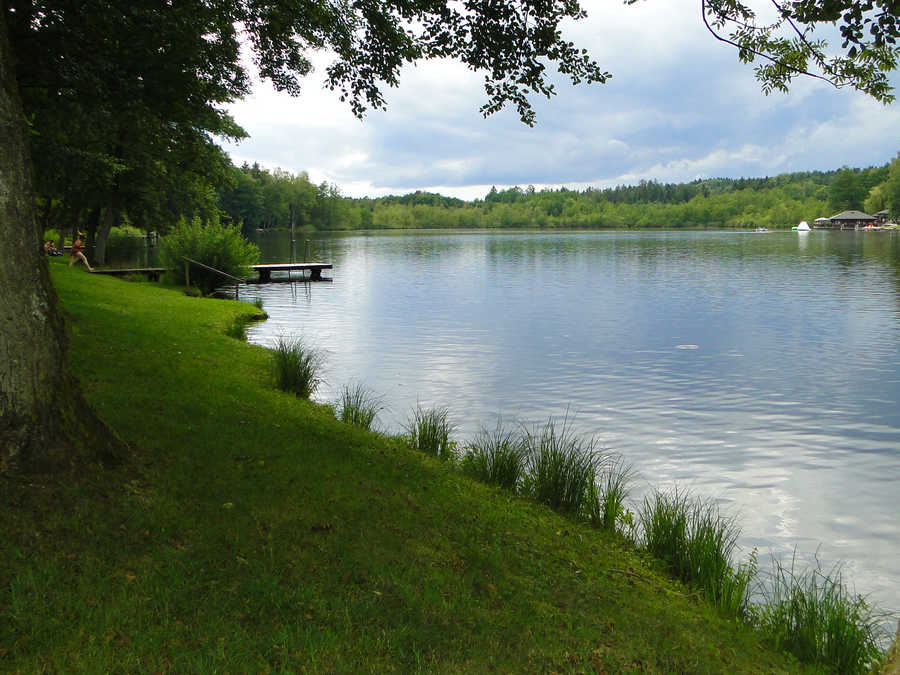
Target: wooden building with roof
[(851, 220)]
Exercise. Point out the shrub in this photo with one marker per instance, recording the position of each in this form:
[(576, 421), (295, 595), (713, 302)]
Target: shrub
[(430, 431), (814, 616), (496, 457), (214, 244), (296, 367), (126, 241), (358, 406), (560, 468)]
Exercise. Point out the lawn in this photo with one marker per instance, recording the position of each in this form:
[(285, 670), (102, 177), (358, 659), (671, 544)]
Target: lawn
[(250, 531)]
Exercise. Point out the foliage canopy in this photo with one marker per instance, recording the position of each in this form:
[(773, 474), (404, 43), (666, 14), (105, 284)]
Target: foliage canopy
[(798, 38), (215, 245)]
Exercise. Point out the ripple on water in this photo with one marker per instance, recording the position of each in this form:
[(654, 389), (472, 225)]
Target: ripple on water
[(749, 369)]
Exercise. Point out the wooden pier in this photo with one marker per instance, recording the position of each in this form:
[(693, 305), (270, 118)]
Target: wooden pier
[(264, 271), (315, 269), (151, 272)]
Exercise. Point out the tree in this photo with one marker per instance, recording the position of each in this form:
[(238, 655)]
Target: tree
[(791, 41), (121, 87), (139, 74), (876, 201), (124, 104), (891, 188), (845, 191), (43, 418)]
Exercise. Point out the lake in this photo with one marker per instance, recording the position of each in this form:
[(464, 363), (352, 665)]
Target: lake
[(762, 370)]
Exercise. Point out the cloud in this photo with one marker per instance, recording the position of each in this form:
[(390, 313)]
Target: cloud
[(679, 106)]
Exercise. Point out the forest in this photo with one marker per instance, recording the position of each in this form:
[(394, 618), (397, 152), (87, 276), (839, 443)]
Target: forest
[(258, 198)]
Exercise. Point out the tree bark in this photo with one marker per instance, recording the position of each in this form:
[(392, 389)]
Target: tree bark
[(44, 421), (110, 216)]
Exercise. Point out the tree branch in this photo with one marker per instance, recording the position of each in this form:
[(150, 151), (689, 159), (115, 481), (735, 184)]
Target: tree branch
[(802, 35), (760, 54)]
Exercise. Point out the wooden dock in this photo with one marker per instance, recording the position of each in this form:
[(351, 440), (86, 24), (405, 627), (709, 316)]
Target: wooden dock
[(264, 271), (151, 272), (315, 269)]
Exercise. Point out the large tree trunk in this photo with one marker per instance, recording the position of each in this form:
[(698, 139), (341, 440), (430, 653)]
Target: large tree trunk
[(110, 216), (44, 422)]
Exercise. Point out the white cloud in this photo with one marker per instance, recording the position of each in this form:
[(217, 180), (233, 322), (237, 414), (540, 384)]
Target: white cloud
[(680, 105)]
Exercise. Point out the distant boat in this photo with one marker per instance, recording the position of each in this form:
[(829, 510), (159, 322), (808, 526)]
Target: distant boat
[(761, 229), (802, 227)]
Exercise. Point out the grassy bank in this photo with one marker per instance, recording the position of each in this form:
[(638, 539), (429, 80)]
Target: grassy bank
[(251, 531)]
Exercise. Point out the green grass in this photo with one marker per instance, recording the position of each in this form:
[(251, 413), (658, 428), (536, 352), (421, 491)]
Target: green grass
[(430, 431), (607, 508), (250, 531), (697, 542), (297, 368), (561, 467), (812, 614), (496, 457), (358, 406)]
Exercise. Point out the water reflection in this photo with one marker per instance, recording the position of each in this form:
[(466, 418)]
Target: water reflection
[(785, 407)]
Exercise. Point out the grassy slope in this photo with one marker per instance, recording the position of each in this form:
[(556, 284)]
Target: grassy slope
[(253, 532)]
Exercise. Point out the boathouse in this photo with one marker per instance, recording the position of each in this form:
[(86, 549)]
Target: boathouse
[(851, 220), (883, 216)]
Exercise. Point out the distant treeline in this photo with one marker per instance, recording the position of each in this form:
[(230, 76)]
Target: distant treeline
[(259, 198)]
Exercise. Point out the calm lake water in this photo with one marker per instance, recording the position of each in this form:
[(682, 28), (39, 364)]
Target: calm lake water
[(762, 370)]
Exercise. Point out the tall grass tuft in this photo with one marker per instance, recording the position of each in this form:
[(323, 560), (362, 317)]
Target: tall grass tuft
[(431, 432), (359, 406), (561, 467), (496, 457), (296, 367), (606, 508), (815, 617), (237, 329), (697, 542)]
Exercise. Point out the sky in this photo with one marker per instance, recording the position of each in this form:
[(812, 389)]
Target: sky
[(680, 106)]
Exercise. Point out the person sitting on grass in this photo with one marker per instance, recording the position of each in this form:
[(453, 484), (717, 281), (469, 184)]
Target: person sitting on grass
[(76, 253), (50, 248)]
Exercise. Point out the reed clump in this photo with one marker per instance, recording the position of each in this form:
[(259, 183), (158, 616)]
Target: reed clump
[(696, 541), (359, 406), (560, 467), (430, 431), (237, 329), (607, 508), (496, 457), (296, 367), (813, 615)]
